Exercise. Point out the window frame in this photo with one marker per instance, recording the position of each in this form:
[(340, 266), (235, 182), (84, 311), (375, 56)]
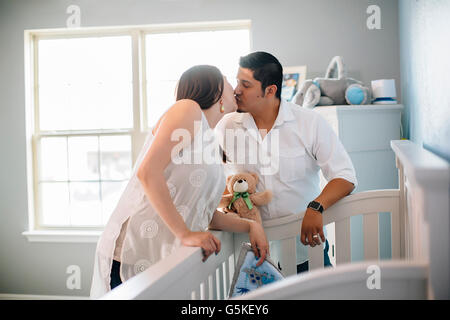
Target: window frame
[(36, 231)]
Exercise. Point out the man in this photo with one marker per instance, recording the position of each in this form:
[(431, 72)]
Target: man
[(301, 143)]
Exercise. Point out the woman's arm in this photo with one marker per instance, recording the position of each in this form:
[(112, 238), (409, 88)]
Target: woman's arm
[(151, 170), (232, 223), (181, 115)]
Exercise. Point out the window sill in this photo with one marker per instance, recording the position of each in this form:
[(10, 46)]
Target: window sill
[(62, 236)]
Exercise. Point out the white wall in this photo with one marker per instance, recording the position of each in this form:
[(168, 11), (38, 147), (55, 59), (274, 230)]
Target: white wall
[(425, 68)]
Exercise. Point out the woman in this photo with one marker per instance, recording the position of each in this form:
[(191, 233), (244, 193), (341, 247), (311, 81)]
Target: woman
[(166, 204)]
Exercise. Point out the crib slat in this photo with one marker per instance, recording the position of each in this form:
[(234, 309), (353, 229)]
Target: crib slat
[(401, 208), (287, 256), (203, 292), (231, 265), (342, 234), (315, 257), (220, 288), (226, 278), (210, 287), (395, 234), (371, 241), (195, 294), (214, 294)]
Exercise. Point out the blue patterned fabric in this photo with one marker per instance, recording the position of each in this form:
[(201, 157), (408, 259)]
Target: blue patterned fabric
[(248, 277)]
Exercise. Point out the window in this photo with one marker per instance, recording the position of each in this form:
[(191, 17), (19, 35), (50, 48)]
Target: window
[(84, 90), (219, 48), (93, 96)]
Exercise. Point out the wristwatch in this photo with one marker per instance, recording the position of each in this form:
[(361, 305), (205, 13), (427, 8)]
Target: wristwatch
[(315, 206)]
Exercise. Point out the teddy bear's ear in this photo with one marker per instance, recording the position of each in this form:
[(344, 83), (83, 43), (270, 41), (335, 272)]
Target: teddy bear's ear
[(255, 175), (229, 178)]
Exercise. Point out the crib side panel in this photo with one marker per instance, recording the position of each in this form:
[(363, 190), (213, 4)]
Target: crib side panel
[(425, 186)]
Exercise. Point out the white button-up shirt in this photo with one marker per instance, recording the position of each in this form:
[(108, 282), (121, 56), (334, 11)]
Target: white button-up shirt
[(288, 159)]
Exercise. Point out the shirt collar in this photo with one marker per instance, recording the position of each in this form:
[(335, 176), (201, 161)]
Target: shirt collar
[(284, 114)]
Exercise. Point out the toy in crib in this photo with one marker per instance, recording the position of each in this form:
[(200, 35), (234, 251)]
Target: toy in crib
[(248, 277), (243, 198)]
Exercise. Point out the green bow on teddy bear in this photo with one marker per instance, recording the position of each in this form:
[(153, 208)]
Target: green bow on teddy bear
[(244, 195)]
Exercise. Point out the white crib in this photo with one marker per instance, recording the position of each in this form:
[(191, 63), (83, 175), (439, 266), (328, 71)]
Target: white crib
[(419, 269)]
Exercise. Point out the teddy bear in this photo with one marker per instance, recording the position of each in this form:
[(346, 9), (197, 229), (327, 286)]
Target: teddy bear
[(243, 198), (334, 89)]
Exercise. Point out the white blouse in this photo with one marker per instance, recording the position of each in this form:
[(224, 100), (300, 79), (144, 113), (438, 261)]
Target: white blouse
[(196, 190)]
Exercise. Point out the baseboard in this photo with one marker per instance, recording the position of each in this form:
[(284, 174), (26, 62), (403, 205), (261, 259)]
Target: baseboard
[(8, 296)]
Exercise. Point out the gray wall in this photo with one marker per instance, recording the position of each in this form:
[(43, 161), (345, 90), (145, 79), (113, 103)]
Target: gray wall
[(425, 68), (298, 32)]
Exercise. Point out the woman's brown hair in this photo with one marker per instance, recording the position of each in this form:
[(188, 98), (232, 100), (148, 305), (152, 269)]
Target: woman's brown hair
[(203, 83)]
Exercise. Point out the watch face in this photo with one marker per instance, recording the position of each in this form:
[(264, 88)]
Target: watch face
[(315, 205)]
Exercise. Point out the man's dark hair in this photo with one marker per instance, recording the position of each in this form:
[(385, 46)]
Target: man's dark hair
[(266, 69), (203, 83)]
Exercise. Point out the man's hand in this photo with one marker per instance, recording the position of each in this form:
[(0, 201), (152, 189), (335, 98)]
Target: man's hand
[(312, 228)]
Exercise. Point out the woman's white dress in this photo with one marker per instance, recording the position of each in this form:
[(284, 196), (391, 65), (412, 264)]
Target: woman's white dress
[(195, 189)]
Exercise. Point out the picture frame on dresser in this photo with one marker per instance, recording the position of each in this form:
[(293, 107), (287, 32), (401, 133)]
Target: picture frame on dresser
[(293, 77)]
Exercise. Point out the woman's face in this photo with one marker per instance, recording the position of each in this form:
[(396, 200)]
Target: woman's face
[(229, 101)]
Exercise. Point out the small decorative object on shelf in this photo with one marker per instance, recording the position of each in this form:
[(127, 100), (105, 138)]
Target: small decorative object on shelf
[(293, 78), (384, 91)]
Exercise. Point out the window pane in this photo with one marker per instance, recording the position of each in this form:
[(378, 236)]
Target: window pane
[(85, 83), (170, 54), (111, 192), (55, 203), (54, 159), (83, 158), (85, 206), (53, 106), (115, 156)]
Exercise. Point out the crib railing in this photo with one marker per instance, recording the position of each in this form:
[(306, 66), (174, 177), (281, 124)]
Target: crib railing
[(183, 275), (368, 204)]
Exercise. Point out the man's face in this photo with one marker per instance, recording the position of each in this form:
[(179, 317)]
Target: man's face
[(249, 94)]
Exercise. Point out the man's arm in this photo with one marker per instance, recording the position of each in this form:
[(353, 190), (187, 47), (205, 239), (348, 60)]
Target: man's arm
[(337, 168), (334, 191), (312, 224)]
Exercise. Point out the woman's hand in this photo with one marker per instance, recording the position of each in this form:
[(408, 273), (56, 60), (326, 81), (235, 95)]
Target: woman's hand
[(206, 240), (259, 242)]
